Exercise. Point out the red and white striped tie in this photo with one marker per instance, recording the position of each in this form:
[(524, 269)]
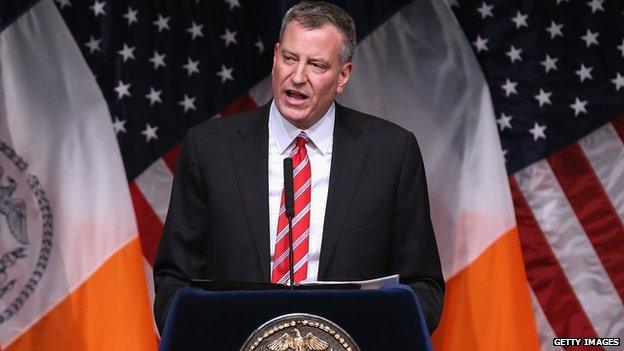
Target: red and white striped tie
[(302, 179)]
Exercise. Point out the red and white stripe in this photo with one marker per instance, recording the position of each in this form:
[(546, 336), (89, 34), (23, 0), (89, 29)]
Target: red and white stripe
[(546, 332), (570, 217)]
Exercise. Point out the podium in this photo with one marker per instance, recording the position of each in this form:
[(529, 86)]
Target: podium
[(389, 318)]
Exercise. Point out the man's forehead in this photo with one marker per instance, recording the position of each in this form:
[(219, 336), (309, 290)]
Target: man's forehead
[(327, 28), (297, 37)]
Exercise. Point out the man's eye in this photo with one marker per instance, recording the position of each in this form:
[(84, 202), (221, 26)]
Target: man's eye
[(289, 59)]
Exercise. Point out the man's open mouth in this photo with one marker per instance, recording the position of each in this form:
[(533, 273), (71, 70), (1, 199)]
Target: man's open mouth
[(296, 95)]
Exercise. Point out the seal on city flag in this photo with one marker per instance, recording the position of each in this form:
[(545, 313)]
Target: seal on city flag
[(299, 332), (26, 230)]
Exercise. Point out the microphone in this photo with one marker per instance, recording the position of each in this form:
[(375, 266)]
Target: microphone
[(289, 205), (288, 188)]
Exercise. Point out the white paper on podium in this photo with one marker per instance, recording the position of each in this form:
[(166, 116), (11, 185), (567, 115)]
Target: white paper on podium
[(370, 284)]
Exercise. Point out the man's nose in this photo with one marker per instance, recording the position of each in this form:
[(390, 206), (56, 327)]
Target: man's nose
[(299, 75)]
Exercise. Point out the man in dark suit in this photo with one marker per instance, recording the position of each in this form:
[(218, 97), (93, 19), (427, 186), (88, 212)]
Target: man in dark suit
[(365, 182)]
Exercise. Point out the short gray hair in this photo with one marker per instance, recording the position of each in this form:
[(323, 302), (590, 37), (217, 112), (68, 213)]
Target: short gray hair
[(315, 14)]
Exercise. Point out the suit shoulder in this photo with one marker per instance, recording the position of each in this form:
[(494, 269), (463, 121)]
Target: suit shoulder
[(220, 125), (373, 126)]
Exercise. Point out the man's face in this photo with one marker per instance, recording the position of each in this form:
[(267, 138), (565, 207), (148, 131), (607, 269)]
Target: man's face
[(307, 73)]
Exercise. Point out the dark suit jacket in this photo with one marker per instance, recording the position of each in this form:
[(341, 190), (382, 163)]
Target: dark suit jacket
[(376, 221)]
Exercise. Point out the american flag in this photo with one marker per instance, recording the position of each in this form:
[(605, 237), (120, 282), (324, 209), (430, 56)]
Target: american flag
[(164, 66), (555, 70)]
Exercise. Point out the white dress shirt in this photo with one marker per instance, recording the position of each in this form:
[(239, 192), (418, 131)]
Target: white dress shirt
[(282, 137)]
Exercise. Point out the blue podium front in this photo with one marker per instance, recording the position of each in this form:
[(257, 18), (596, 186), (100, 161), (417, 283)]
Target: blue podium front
[(385, 319)]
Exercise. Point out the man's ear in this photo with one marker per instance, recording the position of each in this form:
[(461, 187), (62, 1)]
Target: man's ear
[(345, 73), (275, 53)]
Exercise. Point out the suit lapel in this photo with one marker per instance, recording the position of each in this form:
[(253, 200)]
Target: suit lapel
[(250, 155), (348, 157)]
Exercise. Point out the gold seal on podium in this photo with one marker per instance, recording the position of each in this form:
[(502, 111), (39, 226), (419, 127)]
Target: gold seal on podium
[(299, 332)]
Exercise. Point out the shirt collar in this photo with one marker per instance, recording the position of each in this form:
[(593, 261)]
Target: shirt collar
[(284, 133)]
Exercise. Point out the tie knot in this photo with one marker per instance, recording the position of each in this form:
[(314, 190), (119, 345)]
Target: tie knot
[(301, 139)]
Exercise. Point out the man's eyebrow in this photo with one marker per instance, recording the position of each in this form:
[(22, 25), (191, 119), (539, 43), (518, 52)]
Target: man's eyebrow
[(319, 60)]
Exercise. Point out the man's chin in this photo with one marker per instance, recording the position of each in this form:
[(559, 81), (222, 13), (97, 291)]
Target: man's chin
[(294, 115), (298, 120)]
